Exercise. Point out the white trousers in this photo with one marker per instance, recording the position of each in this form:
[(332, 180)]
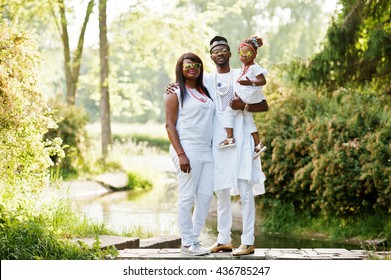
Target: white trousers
[(224, 214), (195, 189)]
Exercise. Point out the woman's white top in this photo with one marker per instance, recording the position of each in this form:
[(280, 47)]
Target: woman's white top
[(237, 162), (195, 121)]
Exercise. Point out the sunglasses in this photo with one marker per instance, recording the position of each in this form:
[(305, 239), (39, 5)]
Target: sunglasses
[(188, 66), (246, 54), (220, 51)]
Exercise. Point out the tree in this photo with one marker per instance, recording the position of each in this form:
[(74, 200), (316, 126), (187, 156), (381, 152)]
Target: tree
[(24, 116), (104, 79), (71, 64), (357, 48)]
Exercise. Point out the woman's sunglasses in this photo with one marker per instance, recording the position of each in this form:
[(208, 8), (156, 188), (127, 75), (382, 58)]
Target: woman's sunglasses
[(188, 66)]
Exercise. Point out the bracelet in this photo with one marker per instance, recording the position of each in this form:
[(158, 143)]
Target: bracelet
[(180, 153)]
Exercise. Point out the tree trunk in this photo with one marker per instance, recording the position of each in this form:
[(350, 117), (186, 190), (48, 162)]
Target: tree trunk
[(72, 66), (104, 80)]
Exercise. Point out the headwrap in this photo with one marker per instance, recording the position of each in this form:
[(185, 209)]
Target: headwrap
[(218, 43), (254, 41), (248, 45)]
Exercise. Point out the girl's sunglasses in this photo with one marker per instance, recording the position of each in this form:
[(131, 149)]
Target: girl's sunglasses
[(188, 66), (246, 54)]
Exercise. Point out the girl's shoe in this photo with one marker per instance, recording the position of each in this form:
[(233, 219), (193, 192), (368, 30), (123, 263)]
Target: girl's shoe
[(258, 150), (228, 142)]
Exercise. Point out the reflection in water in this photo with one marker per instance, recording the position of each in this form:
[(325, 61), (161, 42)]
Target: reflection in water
[(155, 212)]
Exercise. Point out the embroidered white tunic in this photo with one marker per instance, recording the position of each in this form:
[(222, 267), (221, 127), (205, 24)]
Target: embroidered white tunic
[(237, 162)]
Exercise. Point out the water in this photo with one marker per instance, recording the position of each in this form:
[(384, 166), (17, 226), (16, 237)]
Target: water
[(155, 212)]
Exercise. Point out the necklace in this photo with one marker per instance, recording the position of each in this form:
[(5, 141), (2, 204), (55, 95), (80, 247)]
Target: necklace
[(202, 99), (245, 70), (218, 85)]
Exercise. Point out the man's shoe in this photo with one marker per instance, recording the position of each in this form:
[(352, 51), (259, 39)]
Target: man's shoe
[(194, 250), (217, 247), (244, 250)]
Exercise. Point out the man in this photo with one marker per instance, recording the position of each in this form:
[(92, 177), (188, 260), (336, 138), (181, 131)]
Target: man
[(235, 170)]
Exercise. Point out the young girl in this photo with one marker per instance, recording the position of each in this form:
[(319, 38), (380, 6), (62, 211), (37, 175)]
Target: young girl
[(249, 88)]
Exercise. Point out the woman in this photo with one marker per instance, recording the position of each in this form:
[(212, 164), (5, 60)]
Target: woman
[(189, 125)]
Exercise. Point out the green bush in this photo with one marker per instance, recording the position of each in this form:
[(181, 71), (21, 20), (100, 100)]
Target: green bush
[(71, 128), (329, 153), (24, 116)]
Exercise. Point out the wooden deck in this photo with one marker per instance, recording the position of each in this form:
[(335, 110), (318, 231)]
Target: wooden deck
[(260, 254)]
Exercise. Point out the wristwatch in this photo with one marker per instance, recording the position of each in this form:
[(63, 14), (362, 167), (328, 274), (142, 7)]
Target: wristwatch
[(246, 106)]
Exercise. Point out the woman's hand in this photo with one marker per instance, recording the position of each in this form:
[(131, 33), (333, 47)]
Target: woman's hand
[(184, 163)]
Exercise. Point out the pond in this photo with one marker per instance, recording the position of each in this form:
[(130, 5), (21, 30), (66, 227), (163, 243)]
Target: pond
[(155, 212)]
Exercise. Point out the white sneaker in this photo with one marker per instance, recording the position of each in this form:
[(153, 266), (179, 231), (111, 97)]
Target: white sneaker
[(194, 250), (199, 246)]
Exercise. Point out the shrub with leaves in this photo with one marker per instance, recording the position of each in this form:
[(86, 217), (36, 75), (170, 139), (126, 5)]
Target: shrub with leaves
[(329, 153), (24, 115), (71, 128)]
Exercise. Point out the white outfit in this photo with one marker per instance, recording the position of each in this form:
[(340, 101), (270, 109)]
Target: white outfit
[(249, 95), (195, 130), (235, 170)]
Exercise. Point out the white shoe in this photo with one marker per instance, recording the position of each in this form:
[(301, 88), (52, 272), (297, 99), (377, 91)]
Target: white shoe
[(199, 246), (258, 150), (194, 250)]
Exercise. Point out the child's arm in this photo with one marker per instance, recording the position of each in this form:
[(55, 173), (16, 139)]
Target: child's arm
[(259, 80)]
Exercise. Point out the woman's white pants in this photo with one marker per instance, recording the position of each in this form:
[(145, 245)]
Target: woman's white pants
[(195, 189), (224, 214)]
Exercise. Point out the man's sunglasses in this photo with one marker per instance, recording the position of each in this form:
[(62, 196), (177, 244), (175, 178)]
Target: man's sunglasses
[(220, 51)]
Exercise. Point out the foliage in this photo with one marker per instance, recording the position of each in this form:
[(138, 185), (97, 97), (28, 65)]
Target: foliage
[(28, 234), (162, 144), (282, 217), (138, 183), (24, 116), (329, 153), (142, 63), (357, 49), (71, 128)]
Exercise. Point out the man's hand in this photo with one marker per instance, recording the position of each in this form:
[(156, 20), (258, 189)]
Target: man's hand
[(170, 88), (237, 103)]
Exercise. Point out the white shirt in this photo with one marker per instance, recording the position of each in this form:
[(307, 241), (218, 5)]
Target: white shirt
[(195, 121)]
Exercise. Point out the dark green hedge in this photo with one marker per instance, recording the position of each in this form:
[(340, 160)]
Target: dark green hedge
[(328, 153)]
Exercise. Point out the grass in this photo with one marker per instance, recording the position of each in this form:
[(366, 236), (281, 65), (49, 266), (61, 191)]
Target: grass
[(282, 218), (34, 231)]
